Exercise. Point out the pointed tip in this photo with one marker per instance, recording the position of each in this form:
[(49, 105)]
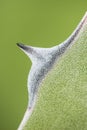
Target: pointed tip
[(20, 45), (17, 44), (25, 48)]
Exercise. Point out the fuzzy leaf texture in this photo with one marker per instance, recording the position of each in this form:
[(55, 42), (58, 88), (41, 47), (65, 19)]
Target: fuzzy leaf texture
[(62, 98)]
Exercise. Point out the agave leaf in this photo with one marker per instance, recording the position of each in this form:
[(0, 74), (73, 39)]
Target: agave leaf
[(62, 98)]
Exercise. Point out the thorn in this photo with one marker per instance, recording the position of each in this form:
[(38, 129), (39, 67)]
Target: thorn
[(22, 46), (26, 48), (43, 60)]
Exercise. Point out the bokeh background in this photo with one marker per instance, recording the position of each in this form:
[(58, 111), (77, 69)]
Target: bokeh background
[(43, 23)]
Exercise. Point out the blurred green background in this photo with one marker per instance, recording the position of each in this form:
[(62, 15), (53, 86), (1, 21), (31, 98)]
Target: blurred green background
[(43, 23)]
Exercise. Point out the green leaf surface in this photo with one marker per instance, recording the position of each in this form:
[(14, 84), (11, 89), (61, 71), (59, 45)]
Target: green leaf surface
[(62, 98)]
